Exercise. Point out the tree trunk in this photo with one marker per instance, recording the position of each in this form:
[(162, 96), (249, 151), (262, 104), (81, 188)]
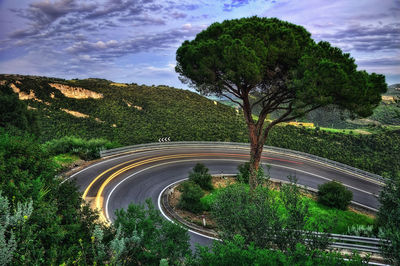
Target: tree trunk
[(256, 148)]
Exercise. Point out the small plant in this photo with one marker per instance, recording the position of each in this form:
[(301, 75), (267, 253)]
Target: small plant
[(190, 197), (335, 195), (201, 177), (244, 173), (361, 230)]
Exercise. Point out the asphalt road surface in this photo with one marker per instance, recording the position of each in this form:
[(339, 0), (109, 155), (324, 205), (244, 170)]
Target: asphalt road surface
[(115, 182)]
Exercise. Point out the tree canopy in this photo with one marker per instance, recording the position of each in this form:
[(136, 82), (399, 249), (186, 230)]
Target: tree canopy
[(275, 65)]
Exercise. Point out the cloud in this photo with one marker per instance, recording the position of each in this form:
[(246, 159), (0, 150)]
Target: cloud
[(80, 37), (366, 38), (234, 4), (137, 44)]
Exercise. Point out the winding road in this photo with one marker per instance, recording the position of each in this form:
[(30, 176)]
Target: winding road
[(115, 181)]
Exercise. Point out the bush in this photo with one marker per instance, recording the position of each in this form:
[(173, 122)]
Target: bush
[(244, 173), (85, 149), (335, 195), (190, 198), (201, 177), (389, 219)]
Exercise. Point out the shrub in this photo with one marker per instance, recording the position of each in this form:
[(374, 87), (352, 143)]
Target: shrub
[(361, 230), (190, 197), (335, 195), (244, 173), (201, 177), (85, 149)]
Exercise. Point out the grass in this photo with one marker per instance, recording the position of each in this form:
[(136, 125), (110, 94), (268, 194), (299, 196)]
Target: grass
[(321, 217), (64, 160), (343, 131)]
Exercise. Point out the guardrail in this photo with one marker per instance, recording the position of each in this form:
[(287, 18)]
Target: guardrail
[(232, 145), (367, 244)]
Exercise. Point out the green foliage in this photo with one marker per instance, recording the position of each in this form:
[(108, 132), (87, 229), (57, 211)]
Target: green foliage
[(148, 238), (60, 228), (244, 173), (238, 252), (85, 149), (14, 113), (274, 65), (184, 115), (129, 115), (201, 177), (361, 230), (11, 221), (321, 218), (25, 168), (333, 220), (190, 197), (243, 176), (376, 153), (389, 219), (335, 195), (256, 217)]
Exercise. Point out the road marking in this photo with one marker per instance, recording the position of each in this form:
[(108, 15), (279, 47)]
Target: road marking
[(264, 151), (204, 159), (173, 156)]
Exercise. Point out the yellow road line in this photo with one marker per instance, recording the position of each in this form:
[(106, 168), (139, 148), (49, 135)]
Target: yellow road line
[(98, 201)]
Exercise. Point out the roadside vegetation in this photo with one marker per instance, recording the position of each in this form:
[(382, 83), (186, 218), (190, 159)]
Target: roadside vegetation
[(44, 221), (326, 212)]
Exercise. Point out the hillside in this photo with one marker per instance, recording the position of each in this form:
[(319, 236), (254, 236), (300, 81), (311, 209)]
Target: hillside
[(130, 114), (124, 113)]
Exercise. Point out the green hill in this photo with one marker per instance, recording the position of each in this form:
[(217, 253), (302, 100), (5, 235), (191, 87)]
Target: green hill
[(124, 113), (130, 114)]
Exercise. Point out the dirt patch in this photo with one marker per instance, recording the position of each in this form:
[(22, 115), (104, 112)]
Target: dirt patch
[(76, 92), (75, 113), (24, 96)]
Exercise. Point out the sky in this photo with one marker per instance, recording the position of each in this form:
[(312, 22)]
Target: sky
[(135, 41)]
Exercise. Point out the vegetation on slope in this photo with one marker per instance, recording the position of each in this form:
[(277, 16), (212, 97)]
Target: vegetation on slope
[(128, 114), (183, 115)]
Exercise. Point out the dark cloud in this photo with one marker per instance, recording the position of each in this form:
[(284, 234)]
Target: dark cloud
[(366, 38), (387, 61), (177, 15), (235, 4), (137, 44)]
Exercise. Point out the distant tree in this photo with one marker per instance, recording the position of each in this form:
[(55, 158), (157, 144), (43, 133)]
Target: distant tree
[(273, 65)]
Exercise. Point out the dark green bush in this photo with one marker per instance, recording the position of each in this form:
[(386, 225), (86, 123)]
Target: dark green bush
[(244, 173), (190, 197), (201, 177), (335, 195)]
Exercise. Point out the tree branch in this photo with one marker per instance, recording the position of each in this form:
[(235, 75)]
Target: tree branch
[(225, 95)]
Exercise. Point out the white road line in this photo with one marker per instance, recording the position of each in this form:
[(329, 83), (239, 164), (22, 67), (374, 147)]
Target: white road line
[(202, 159)]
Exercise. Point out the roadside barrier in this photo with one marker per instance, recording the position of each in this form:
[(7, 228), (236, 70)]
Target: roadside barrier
[(233, 145)]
